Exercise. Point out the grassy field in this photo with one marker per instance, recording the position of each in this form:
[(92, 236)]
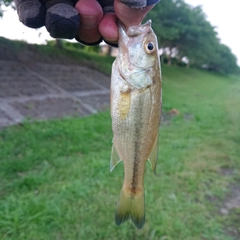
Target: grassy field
[(56, 184), (69, 53)]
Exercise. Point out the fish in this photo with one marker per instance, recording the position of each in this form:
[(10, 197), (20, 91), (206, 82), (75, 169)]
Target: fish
[(136, 100)]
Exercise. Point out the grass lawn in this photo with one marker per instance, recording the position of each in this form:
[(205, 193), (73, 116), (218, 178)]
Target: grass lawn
[(55, 181)]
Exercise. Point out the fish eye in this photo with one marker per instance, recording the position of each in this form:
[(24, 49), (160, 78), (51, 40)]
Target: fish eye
[(150, 47)]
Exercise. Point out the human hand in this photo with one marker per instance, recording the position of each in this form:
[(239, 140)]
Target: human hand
[(95, 25), (87, 21)]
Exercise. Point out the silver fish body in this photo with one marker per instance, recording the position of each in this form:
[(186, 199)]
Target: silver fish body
[(136, 112)]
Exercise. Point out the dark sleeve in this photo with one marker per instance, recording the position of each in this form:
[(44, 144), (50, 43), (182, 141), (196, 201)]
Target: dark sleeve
[(151, 2), (107, 5)]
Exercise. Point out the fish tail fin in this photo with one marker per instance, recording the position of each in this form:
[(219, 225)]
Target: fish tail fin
[(131, 206)]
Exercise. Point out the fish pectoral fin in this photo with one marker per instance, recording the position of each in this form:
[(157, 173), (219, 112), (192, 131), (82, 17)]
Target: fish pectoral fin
[(115, 159), (153, 156)]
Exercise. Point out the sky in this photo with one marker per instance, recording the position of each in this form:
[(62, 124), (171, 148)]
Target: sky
[(222, 14)]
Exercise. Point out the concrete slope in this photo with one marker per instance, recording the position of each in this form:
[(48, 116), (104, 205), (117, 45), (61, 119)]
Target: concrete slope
[(44, 91)]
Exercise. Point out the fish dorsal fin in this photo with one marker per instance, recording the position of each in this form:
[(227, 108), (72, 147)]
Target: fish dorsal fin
[(115, 159), (153, 156)]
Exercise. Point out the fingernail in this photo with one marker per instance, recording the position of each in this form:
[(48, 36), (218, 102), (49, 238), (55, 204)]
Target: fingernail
[(89, 22)]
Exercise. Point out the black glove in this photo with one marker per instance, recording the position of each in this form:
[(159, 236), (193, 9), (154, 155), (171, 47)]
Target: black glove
[(59, 16)]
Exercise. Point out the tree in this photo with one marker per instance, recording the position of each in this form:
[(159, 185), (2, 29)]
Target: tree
[(6, 3), (181, 27), (199, 37), (166, 18), (183, 30), (223, 61)]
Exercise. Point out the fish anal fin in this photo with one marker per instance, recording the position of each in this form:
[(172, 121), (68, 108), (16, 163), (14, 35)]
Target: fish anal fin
[(153, 156), (115, 159)]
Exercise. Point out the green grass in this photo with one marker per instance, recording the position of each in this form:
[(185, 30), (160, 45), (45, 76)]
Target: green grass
[(69, 53), (56, 184), (79, 55)]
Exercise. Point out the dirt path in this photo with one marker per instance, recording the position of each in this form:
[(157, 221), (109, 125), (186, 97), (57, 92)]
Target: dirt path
[(45, 91)]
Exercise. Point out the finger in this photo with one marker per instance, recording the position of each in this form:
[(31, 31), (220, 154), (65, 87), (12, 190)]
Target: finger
[(130, 16), (108, 28), (31, 12), (90, 14), (62, 19)]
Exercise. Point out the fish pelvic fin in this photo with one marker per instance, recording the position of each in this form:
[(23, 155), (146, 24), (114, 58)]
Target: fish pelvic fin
[(154, 156), (131, 206), (115, 159)]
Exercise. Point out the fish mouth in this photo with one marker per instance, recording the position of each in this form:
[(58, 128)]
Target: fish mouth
[(135, 30), (138, 30)]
